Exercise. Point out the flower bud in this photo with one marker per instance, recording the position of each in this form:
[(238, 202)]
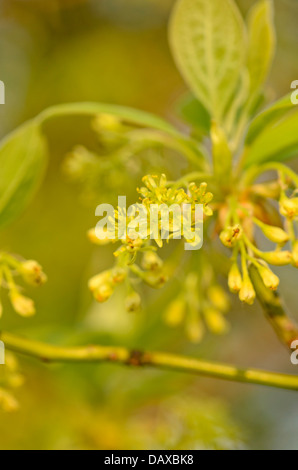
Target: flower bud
[(270, 280), (235, 279), (231, 235), (218, 298), (295, 254), (133, 302), (22, 305), (289, 207), (247, 293), (277, 258), (274, 234), (101, 286), (7, 402), (97, 241), (216, 322), (32, 273), (151, 261), (107, 122), (155, 280), (103, 293), (100, 279), (175, 312), (118, 275), (195, 330)]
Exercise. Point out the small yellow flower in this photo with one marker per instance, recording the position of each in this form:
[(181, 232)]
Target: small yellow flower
[(274, 234), (133, 302), (235, 279), (269, 278), (156, 280), (175, 312), (277, 258), (21, 304), (32, 273), (289, 207), (295, 254), (101, 286), (231, 235), (216, 322), (218, 298), (151, 261), (247, 293), (94, 239)]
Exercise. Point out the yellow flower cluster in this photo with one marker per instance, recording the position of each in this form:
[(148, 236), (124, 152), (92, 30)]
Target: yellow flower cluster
[(30, 272)]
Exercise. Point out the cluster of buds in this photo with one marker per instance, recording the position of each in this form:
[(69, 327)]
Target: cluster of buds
[(10, 379), (240, 237), (30, 272), (202, 303), (103, 285)]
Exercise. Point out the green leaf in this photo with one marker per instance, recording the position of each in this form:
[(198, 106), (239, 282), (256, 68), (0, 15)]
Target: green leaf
[(186, 146), (22, 162), (194, 113), (276, 143), (208, 42), (262, 42), (128, 115), (268, 117)]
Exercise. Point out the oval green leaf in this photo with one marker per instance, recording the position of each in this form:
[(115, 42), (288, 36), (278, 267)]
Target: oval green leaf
[(208, 41)]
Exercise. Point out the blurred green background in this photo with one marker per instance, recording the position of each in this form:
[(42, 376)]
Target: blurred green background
[(116, 51)]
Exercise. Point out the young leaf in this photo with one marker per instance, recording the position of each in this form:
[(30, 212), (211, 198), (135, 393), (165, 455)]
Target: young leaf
[(262, 42), (268, 117), (276, 143), (208, 42), (128, 115), (135, 118), (193, 112), (22, 162)]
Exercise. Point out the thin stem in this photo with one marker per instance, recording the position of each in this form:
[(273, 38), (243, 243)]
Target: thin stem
[(255, 172), (159, 360)]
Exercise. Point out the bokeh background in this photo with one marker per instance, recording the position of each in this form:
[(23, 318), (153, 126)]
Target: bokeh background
[(116, 51)]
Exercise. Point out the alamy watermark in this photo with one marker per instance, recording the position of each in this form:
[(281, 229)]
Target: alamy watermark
[(294, 356), (2, 353), (154, 221), (2, 92), (294, 95)]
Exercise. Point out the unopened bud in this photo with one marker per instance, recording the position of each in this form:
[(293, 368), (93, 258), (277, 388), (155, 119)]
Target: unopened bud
[(289, 207), (151, 261), (32, 273), (218, 297), (101, 286), (247, 293), (107, 122), (7, 402), (97, 241), (216, 322), (274, 234), (22, 305), (295, 254), (118, 275), (235, 279), (231, 235), (277, 258), (155, 280), (175, 312), (133, 302), (195, 330), (269, 278)]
